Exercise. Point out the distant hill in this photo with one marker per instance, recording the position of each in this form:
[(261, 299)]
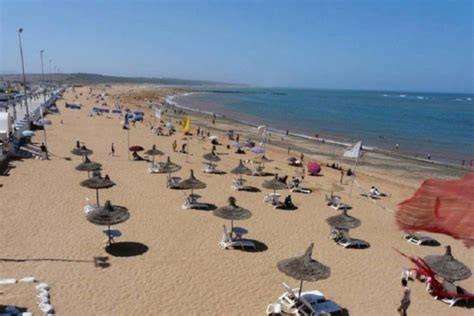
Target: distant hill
[(87, 78)]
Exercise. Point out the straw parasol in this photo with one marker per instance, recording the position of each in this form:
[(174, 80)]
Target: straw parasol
[(274, 184), (154, 152), (232, 212), (448, 267), (212, 157), (168, 167), (304, 268), (108, 215), (343, 221), (262, 159), (88, 166), (192, 183), (82, 151), (97, 182), (241, 169)]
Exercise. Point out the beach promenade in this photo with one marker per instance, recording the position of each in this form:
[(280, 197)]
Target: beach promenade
[(180, 268)]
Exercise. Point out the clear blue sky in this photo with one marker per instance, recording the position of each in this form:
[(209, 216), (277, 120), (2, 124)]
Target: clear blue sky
[(397, 45)]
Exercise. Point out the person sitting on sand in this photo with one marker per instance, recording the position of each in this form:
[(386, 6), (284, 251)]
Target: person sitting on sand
[(288, 202), (374, 191), (240, 151), (136, 156)]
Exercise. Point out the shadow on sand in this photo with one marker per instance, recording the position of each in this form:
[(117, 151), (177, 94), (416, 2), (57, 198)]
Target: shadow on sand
[(126, 249), (259, 246)]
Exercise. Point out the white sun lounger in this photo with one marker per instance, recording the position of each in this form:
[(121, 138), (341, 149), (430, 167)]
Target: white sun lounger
[(46, 308), (27, 280), (42, 286), (227, 242), (347, 241), (209, 168), (7, 281), (173, 182)]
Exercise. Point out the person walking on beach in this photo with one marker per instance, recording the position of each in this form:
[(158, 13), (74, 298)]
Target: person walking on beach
[(405, 302), (112, 150), (44, 150), (342, 175), (174, 145), (301, 157)]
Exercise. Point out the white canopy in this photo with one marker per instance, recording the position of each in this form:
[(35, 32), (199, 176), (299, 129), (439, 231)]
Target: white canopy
[(4, 123)]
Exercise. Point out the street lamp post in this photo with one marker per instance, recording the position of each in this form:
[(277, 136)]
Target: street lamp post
[(50, 73), (20, 30), (41, 106), (42, 75)]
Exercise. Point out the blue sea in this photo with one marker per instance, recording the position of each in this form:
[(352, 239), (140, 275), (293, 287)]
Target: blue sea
[(441, 125)]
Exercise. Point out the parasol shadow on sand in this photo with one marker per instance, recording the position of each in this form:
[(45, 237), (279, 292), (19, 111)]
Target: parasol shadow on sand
[(126, 249)]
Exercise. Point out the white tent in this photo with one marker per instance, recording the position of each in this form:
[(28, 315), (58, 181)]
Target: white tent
[(4, 123)]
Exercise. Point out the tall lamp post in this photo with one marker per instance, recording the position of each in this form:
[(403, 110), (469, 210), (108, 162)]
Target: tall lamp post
[(50, 73), (20, 30), (42, 74), (41, 106)]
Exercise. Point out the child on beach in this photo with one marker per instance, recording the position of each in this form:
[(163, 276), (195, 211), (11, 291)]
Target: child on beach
[(405, 302)]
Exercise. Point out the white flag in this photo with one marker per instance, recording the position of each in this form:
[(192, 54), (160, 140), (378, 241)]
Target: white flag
[(353, 151), (157, 113), (262, 130)]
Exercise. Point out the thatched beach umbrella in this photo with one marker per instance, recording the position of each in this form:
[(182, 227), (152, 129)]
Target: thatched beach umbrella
[(274, 184), (304, 268), (448, 267), (212, 157), (241, 169), (262, 159), (81, 151), (343, 221), (192, 183), (97, 182), (108, 215), (168, 166), (233, 212), (154, 152), (88, 166)]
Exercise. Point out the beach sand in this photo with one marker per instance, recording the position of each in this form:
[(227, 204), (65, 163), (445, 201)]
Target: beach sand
[(44, 232)]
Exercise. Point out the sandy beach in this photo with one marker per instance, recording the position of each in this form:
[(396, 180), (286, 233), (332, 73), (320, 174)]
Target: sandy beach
[(182, 270)]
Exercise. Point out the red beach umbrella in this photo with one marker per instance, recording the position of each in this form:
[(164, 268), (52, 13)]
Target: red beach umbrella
[(313, 168), (441, 206), (136, 148)]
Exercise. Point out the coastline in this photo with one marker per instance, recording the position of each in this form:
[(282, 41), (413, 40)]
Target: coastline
[(339, 145)]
